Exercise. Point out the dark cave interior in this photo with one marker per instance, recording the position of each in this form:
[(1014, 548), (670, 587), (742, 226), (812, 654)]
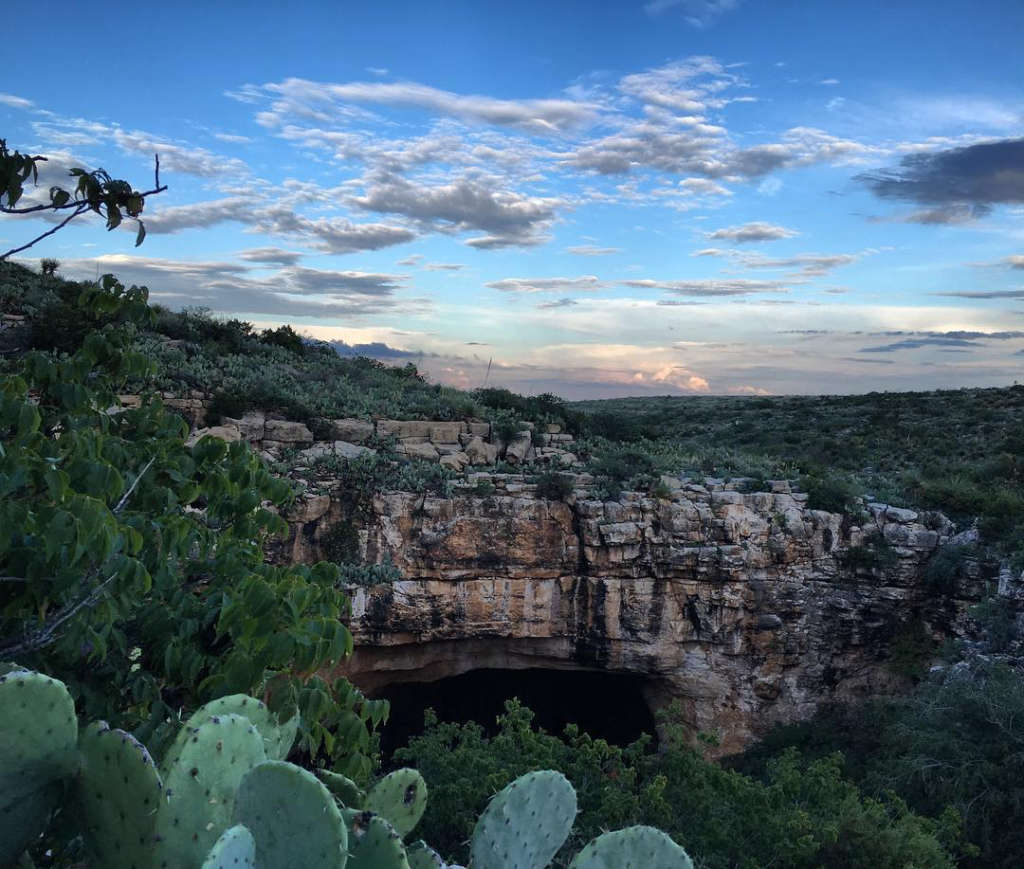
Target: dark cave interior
[(609, 706)]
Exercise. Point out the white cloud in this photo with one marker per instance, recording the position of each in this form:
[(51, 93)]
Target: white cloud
[(757, 230), (15, 102), (712, 287), (464, 204), (592, 250), (325, 100), (586, 283)]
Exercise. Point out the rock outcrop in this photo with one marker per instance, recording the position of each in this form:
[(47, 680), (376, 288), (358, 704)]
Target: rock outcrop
[(747, 608)]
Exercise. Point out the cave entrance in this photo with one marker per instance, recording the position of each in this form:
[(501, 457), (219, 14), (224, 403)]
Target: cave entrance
[(609, 706)]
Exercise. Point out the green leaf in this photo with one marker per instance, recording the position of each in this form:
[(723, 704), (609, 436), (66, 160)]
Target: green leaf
[(141, 236)]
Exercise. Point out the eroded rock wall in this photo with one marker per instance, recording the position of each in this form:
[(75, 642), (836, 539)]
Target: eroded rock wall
[(745, 607)]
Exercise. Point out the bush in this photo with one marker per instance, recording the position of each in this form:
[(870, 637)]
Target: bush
[(140, 602), (285, 337), (802, 815), (874, 554), (555, 485), (831, 493), (947, 567), (48, 266)]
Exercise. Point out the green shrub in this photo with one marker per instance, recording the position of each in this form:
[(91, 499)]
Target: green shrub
[(803, 815), (555, 485), (505, 426), (225, 404), (48, 266), (285, 337), (830, 492), (340, 543), (874, 554), (483, 488), (947, 567), (912, 651)]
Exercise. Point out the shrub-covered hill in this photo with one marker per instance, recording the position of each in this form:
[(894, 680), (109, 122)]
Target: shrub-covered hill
[(961, 451), (276, 369)]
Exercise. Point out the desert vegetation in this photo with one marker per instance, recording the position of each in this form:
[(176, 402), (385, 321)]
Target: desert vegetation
[(133, 573)]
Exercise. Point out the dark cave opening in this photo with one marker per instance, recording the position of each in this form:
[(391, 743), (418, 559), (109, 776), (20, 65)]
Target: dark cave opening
[(608, 706)]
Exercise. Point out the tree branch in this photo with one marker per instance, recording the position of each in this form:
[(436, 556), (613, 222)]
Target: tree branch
[(77, 208), (128, 494), (49, 632), (80, 210)]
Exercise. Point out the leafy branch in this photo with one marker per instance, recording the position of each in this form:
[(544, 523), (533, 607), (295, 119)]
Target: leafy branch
[(96, 191)]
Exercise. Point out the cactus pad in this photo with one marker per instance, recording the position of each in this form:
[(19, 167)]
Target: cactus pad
[(24, 819), (120, 791), (293, 818), (400, 798), (525, 824), (39, 736), (202, 777), (235, 849), (277, 738), (422, 856), (346, 791), (633, 848), (373, 843)]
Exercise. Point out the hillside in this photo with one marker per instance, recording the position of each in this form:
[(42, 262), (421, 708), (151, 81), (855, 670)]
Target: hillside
[(726, 560)]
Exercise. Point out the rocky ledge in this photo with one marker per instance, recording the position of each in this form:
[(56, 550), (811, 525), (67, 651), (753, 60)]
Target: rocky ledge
[(746, 607)]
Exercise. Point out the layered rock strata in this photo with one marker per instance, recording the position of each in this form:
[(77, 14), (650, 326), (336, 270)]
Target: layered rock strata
[(746, 608)]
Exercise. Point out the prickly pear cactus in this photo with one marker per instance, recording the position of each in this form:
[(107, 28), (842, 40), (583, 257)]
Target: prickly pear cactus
[(373, 843), (202, 775), (277, 738), (400, 798), (633, 848), (347, 792), (293, 818), (38, 748), (422, 856), (525, 824), (119, 791), (235, 849), (23, 821)]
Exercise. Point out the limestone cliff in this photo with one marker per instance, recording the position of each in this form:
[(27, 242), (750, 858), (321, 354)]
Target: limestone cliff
[(748, 608)]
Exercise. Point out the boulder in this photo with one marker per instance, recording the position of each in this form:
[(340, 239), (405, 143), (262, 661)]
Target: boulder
[(346, 450), (445, 432), (353, 431), (224, 432), (308, 508), (515, 452), (317, 451), (419, 451), (480, 453), (481, 429), (456, 461), (287, 432), (412, 428)]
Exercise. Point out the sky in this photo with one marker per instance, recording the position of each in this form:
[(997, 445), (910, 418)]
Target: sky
[(594, 199)]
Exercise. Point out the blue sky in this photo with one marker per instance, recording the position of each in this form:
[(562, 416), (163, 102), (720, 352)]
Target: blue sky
[(593, 199)]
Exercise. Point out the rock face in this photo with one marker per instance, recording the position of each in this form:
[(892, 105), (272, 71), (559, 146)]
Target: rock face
[(747, 608)]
